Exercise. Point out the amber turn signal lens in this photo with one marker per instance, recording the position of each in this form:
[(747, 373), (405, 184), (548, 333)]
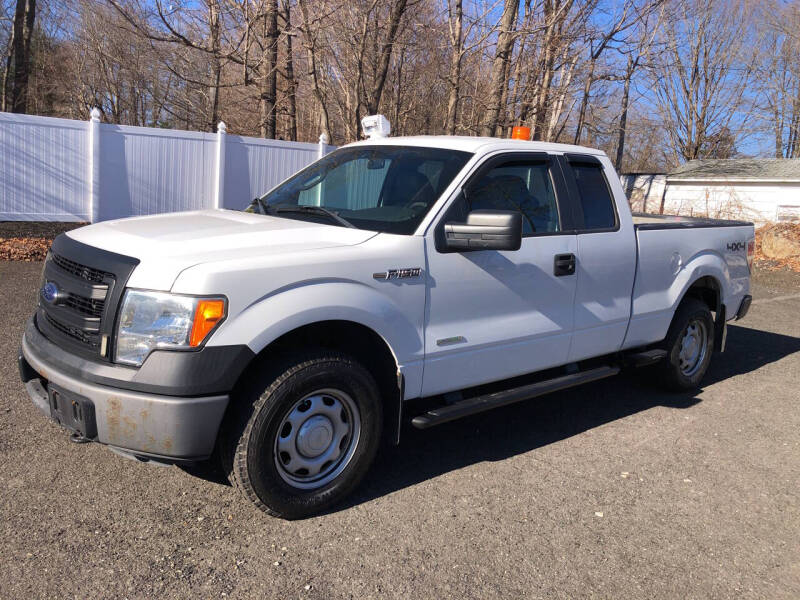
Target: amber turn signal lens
[(206, 317)]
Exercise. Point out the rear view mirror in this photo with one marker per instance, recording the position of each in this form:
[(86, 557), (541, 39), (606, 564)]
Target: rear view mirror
[(485, 230)]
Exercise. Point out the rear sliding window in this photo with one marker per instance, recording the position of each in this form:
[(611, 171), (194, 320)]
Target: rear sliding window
[(595, 197)]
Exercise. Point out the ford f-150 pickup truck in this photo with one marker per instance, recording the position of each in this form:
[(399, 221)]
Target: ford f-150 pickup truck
[(287, 339)]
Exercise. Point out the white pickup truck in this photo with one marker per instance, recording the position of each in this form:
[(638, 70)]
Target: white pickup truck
[(288, 338)]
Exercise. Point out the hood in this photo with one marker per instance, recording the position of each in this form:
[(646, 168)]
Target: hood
[(167, 244)]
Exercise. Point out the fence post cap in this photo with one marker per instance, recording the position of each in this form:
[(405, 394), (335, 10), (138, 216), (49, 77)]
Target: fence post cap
[(221, 127), (323, 138), (94, 114)]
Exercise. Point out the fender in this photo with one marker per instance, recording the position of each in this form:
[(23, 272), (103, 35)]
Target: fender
[(654, 308), (704, 264), (308, 302)]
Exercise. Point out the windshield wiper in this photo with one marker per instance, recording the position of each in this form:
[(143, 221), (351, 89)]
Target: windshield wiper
[(259, 202), (314, 210)]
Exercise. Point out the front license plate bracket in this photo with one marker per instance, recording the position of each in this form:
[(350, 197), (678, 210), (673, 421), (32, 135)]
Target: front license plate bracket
[(72, 411)]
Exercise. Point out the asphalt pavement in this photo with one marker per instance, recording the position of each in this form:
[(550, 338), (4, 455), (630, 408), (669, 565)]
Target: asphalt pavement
[(612, 490)]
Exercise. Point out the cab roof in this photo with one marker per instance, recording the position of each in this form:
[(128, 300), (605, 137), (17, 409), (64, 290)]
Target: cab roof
[(475, 145)]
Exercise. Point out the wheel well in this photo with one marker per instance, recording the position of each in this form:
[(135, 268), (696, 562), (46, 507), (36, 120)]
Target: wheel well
[(706, 289), (360, 342)]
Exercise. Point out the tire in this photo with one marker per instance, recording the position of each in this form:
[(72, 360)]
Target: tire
[(689, 345), (300, 439)]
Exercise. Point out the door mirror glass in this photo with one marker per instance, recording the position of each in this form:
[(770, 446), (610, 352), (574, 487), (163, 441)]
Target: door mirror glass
[(485, 230)]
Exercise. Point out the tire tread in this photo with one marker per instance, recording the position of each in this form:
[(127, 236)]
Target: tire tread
[(236, 430)]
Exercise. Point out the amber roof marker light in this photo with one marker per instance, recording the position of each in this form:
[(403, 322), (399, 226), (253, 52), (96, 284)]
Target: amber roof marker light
[(520, 132)]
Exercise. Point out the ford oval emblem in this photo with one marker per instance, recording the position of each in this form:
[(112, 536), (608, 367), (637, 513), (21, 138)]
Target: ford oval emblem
[(50, 292)]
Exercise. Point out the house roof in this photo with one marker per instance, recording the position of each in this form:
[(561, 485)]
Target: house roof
[(738, 169)]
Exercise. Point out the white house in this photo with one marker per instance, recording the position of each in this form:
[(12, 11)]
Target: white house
[(757, 189)]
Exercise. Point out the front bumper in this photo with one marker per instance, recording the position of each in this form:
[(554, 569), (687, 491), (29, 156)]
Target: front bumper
[(139, 423)]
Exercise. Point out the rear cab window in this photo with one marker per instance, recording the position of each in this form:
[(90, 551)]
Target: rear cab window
[(595, 201)]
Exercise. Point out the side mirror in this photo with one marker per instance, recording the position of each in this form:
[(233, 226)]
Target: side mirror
[(485, 230)]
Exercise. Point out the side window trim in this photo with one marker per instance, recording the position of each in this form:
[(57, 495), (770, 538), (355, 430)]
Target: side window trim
[(588, 160)]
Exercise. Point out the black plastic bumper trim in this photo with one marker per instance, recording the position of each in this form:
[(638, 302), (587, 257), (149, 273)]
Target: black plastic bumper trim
[(211, 370), (744, 307)]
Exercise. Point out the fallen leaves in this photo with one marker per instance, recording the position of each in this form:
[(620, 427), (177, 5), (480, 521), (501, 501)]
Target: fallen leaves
[(24, 248)]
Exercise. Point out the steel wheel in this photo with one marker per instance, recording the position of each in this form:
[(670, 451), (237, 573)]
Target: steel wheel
[(317, 439), (693, 348)]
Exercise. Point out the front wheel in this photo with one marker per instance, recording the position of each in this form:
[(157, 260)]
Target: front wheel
[(299, 442), (689, 344)]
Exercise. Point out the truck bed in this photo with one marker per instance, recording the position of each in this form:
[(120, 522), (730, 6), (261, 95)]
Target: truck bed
[(673, 252)]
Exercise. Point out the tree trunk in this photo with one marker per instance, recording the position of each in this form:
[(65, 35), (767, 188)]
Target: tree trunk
[(4, 98), (216, 65), (398, 97), (291, 84), (454, 77), (587, 87), (24, 18), (540, 108), (269, 71), (373, 99), (502, 116), (623, 117), (499, 77), (311, 71)]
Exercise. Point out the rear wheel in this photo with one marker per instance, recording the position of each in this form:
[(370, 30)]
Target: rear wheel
[(689, 344), (299, 442)]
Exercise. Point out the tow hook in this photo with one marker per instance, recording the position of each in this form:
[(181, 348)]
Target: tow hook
[(78, 438)]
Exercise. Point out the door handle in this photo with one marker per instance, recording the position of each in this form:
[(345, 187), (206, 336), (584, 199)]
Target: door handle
[(563, 264)]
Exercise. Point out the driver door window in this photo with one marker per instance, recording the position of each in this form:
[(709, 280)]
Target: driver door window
[(523, 186)]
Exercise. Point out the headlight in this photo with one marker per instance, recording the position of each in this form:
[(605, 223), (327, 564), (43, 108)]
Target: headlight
[(157, 320)]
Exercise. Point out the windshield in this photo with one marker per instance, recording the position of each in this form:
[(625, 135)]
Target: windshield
[(381, 188)]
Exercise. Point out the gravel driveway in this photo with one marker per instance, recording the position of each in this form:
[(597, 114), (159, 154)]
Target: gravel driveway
[(613, 490)]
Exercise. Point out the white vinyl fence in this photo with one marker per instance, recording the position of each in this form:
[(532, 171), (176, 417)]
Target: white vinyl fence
[(64, 170)]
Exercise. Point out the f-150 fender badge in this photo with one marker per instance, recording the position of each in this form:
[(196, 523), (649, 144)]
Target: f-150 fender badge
[(406, 273)]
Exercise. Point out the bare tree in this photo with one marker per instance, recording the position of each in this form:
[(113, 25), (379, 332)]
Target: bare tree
[(24, 19), (649, 27), (268, 72), (455, 24), (288, 74), (599, 40), (499, 78), (701, 80), (309, 30), (779, 72)]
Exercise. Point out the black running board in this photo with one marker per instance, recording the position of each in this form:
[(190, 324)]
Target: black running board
[(479, 404), (643, 359)]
